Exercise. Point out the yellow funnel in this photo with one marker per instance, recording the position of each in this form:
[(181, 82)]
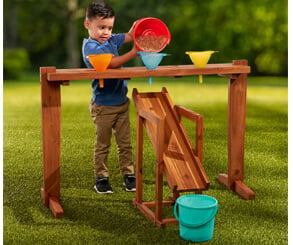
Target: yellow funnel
[(200, 59), (100, 62)]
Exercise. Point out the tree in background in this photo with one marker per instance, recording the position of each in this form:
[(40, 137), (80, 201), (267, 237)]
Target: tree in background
[(243, 29), (52, 31), (46, 29)]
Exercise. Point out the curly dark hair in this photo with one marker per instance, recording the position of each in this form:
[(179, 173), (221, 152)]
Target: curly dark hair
[(100, 9)]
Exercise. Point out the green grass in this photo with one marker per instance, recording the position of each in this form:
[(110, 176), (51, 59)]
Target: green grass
[(112, 219)]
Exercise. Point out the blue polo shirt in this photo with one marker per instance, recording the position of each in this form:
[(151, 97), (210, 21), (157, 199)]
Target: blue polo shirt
[(114, 90)]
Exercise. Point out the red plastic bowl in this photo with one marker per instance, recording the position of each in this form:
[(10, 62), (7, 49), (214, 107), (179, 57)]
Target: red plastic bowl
[(151, 35)]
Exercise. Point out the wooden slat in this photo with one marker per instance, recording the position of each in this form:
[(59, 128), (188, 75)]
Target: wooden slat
[(55, 207), (183, 140), (181, 174), (244, 191), (127, 72)]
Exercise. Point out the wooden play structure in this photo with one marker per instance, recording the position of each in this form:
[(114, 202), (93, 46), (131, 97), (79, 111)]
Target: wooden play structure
[(175, 156), (162, 120)]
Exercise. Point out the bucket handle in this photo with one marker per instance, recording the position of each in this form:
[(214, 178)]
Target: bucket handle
[(215, 210)]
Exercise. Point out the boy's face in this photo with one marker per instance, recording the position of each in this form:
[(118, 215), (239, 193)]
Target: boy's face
[(99, 29)]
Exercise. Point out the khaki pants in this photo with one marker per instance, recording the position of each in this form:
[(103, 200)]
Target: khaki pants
[(106, 119)]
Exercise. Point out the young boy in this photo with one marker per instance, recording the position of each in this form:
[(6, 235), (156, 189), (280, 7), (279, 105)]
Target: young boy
[(109, 105)]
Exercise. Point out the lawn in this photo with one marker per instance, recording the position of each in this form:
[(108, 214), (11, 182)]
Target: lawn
[(112, 219)]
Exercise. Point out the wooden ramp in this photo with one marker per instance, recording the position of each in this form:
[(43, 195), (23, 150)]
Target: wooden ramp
[(176, 158)]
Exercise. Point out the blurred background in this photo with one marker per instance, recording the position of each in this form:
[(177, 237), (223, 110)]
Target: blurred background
[(50, 32)]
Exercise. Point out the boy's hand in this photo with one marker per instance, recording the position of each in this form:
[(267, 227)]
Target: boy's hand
[(134, 50), (131, 29), (129, 34)]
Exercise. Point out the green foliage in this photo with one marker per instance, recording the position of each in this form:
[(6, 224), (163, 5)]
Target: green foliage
[(16, 61), (243, 29), (253, 30), (112, 219)]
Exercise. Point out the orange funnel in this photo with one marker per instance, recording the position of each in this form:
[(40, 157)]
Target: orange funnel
[(100, 62), (200, 59)]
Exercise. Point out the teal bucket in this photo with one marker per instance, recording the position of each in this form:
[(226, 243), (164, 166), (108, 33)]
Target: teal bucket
[(196, 217)]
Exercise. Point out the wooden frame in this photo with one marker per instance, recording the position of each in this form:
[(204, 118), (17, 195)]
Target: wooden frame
[(51, 79), (153, 112)]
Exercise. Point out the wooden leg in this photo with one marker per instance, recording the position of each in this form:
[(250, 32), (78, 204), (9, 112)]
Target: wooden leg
[(51, 119), (236, 135), (199, 138), (139, 156), (159, 170), (159, 193)]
